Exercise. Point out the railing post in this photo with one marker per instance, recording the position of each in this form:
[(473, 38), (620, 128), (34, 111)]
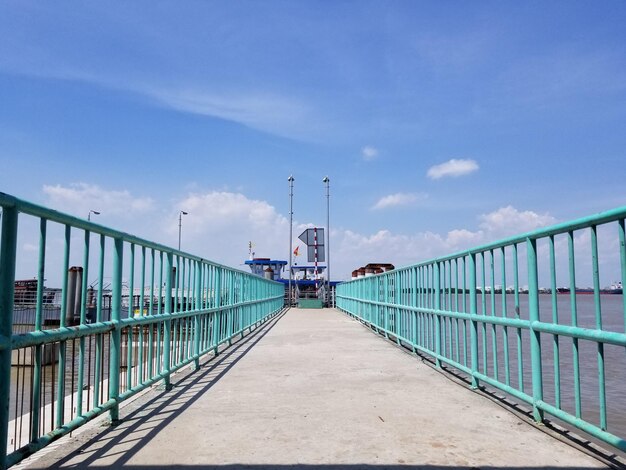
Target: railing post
[(474, 323), (8, 244), (167, 327), (196, 320), (535, 336), (437, 288), (217, 315), (116, 334)]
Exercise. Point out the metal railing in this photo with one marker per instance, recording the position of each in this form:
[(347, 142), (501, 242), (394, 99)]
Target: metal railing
[(552, 347), (69, 369)]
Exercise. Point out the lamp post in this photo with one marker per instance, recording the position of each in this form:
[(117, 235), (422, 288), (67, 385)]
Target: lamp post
[(326, 181), (180, 225), (291, 180), (91, 211)]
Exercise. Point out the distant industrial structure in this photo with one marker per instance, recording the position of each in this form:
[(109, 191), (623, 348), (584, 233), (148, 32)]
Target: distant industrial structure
[(372, 269)]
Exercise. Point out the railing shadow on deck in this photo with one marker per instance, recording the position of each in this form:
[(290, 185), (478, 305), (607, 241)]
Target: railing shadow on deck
[(551, 427), (159, 411), (338, 467)]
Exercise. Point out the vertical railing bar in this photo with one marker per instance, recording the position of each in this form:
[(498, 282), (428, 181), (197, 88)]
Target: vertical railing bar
[(505, 330), (161, 295), (622, 254), (465, 345), (483, 304), (167, 328), (151, 329), (598, 317), (414, 294), (574, 313), (8, 250), (198, 306), (178, 305), (142, 303), (98, 339), (520, 361), (116, 334), (190, 303), (62, 344), (494, 336), (159, 327), (36, 385), (555, 320), (431, 304), (456, 309), (83, 319), (437, 292), (473, 322), (449, 308), (131, 313), (535, 336)]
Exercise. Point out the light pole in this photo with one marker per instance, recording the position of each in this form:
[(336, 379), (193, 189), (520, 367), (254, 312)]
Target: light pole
[(180, 225), (291, 180), (326, 181), (91, 211)]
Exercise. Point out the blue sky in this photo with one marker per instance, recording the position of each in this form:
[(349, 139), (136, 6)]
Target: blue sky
[(440, 124)]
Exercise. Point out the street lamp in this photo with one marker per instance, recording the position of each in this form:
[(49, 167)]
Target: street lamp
[(326, 181), (91, 211), (291, 180), (180, 225)]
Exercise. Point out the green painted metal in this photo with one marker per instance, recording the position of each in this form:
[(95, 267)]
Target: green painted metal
[(115, 348), (310, 303), (474, 321), (34, 422), (8, 243), (535, 336), (179, 320), (428, 291)]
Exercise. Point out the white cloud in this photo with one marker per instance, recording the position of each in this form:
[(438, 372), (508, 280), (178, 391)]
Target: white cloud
[(79, 198), (398, 199), (509, 221), (220, 224), (369, 153), (352, 250), (452, 168)]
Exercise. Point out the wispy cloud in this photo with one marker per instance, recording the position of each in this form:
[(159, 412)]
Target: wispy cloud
[(369, 153), (452, 168), (558, 74), (398, 199), (273, 113)]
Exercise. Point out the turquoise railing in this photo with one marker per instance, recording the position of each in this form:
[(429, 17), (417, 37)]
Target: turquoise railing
[(556, 349), (164, 309)]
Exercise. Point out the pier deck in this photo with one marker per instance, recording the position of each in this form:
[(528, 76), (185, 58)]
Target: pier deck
[(313, 387)]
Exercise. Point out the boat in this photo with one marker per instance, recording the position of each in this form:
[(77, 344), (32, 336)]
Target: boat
[(615, 288)]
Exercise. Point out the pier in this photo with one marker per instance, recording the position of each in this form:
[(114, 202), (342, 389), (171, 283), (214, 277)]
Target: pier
[(315, 388)]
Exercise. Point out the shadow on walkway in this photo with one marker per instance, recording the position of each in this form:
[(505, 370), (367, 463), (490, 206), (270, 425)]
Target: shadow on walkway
[(142, 424)]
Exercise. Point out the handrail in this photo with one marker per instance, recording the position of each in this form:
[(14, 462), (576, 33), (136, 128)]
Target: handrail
[(104, 346), (518, 340)]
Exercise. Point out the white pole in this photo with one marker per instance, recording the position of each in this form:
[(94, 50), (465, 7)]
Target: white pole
[(291, 180), (327, 181)]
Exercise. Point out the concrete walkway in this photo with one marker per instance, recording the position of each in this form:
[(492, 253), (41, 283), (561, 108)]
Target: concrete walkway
[(314, 389)]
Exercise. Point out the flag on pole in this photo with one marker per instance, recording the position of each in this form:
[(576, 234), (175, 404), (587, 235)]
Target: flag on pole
[(295, 252)]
